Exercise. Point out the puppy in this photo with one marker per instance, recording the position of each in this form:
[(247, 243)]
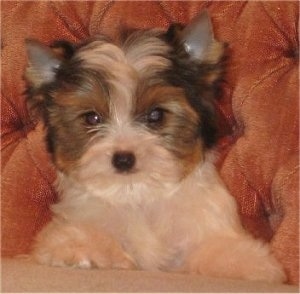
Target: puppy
[(130, 127)]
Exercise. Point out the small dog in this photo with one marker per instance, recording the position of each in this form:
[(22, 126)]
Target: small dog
[(130, 126)]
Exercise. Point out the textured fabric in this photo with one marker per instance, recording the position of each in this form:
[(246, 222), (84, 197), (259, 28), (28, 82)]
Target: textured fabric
[(20, 276), (259, 153)]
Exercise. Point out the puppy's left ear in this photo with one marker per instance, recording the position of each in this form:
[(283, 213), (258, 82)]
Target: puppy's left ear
[(198, 40), (44, 61), (43, 65)]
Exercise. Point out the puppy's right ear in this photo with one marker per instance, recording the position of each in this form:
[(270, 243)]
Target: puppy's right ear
[(43, 64), (197, 39)]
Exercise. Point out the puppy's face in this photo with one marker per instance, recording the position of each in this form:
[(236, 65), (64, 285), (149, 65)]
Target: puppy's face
[(134, 112)]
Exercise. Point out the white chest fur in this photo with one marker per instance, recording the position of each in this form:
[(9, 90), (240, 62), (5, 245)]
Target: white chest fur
[(156, 225)]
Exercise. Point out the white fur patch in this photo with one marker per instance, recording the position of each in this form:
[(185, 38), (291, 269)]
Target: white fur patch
[(146, 55), (154, 175), (184, 232)]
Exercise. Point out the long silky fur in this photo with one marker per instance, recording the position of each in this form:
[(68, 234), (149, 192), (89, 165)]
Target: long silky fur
[(171, 211)]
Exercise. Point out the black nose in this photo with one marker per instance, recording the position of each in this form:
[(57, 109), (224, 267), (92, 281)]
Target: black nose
[(123, 161)]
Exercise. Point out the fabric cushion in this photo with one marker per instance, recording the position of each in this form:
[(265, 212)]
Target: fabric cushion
[(19, 276)]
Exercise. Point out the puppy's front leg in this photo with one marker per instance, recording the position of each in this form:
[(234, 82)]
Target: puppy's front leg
[(238, 257), (79, 245)]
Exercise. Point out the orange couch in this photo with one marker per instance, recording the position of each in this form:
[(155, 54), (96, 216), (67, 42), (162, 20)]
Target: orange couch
[(258, 153)]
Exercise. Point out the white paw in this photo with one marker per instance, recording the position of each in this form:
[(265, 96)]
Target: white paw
[(236, 258), (79, 247)]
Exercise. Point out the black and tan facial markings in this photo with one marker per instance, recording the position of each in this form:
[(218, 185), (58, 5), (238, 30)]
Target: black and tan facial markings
[(164, 110), (154, 81)]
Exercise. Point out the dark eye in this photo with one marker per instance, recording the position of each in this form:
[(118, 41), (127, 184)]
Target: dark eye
[(155, 115), (93, 118)]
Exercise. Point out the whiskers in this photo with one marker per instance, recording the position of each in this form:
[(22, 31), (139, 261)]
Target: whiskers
[(97, 132)]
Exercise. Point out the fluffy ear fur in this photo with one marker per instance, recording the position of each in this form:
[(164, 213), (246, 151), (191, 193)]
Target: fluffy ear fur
[(44, 61), (199, 42), (43, 64), (197, 39), (199, 59)]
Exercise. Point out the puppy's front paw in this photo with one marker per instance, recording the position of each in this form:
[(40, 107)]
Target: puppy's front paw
[(236, 258), (79, 246)]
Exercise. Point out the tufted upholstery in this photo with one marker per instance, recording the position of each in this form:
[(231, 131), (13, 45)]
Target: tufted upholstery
[(259, 151)]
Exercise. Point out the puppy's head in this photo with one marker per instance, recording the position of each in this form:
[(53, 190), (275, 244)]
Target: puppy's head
[(132, 112)]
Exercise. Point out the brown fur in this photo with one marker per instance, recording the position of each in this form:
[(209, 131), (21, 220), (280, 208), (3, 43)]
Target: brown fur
[(167, 209)]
